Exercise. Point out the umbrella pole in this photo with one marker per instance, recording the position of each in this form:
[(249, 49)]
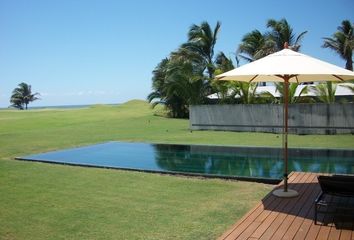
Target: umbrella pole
[(285, 131), (285, 193)]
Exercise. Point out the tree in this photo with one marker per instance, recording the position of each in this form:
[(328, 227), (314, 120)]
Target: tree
[(16, 103), (342, 42), (292, 97), (281, 32), (247, 92), (350, 88), (162, 95), (226, 91), (256, 45), (158, 82), (201, 40), (325, 92), (184, 77), (223, 63), (178, 83), (22, 96), (186, 81)]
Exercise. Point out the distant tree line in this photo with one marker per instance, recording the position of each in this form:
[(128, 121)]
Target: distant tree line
[(22, 96), (186, 76)]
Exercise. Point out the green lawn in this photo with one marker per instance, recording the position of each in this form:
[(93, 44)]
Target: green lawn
[(44, 201)]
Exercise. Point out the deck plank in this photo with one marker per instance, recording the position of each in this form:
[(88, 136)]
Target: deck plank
[(302, 212), (279, 218), (258, 221), (279, 213), (247, 220), (334, 234), (284, 231)]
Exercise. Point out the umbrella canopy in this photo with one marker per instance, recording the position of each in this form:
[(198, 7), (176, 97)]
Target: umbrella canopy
[(287, 66), (301, 67)]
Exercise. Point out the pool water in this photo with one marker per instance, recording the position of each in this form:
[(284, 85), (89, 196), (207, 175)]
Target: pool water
[(214, 161)]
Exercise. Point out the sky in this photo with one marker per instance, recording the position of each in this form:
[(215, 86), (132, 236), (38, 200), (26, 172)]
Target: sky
[(98, 52)]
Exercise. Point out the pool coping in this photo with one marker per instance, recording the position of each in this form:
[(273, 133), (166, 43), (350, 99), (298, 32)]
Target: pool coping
[(245, 146), (194, 144)]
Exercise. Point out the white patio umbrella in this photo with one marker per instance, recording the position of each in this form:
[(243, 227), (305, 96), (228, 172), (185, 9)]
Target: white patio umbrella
[(287, 66)]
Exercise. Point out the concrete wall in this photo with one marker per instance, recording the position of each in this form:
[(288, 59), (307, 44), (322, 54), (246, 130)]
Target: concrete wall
[(303, 118)]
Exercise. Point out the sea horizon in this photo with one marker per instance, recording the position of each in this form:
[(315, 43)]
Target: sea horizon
[(69, 106)]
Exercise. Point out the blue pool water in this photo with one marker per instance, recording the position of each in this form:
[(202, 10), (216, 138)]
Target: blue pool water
[(233, 162)]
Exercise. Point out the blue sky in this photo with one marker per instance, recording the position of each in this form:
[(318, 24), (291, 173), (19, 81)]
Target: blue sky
[(93, 52)]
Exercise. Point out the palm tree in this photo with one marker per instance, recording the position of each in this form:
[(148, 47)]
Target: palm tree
[(16, 102), (187, 82), (281, 32), (158, 82), (177, 83), (201, 40), (325, 92), (292, 97), (247, 92), (254, 46), (350, 88), (161, 95), (22, 96), (180, 80), (223, 63), (225, 90), (342, 42)]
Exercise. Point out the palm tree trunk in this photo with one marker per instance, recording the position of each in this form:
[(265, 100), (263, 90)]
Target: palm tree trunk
[(210, 72), (26, 105), (349, 64)]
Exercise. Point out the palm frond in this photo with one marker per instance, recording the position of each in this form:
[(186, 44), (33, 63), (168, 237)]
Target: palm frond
[(325, 92), (342, 42)]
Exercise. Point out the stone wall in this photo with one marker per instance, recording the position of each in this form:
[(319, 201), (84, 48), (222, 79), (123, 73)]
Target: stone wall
[(303, 118)]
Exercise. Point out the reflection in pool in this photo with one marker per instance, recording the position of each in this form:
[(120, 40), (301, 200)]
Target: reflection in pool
[(233, 162)]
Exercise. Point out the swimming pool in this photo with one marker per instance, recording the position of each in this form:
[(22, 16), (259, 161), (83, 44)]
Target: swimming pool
[(213, 161)]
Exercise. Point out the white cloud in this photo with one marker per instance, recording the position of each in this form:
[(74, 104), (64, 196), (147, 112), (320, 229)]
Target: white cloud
[(43, 94)]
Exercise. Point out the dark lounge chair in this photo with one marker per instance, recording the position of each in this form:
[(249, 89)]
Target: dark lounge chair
[(336, 197)]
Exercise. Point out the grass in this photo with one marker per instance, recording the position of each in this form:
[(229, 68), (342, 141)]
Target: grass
[(43, 201)]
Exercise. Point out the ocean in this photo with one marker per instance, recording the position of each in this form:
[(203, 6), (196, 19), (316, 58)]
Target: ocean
[(64, 106)]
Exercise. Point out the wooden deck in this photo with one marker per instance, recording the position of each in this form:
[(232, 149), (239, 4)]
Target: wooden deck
[(279, 218)]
